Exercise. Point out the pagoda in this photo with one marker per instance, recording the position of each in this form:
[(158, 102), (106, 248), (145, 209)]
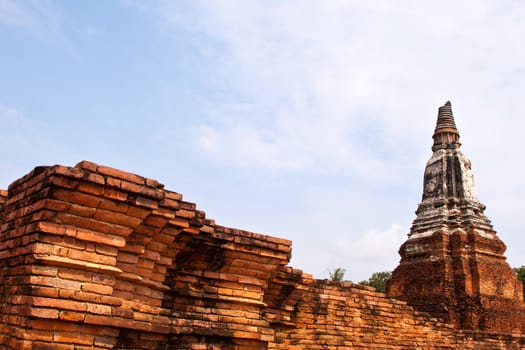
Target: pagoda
[(452, 264)]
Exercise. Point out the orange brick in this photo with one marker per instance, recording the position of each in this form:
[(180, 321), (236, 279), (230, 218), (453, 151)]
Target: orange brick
[(105, 342), (71, 316), (138, 212), (59, 304), (117, 218), (97, 288), (99, 309), (106, 250), (127, 258), (35, 335), (156, 221), (43, 313), (101, 238), (187, 214), (73, 338), (108, 171), (81, 210), (54, 282), (91, 257), (87, 165), (76, 197), (75, 275), (146, 202), (114, 206)]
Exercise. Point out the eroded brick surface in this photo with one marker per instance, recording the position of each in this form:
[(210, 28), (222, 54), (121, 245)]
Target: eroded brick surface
[(314, 314)]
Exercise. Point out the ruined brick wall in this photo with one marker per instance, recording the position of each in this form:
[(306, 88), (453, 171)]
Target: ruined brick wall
[(314, 314), (96, 258), (100, 258)]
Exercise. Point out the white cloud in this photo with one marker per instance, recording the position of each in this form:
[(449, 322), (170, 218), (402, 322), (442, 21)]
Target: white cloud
[(359, 253), (15, 13), (12, 117), (375, 246), (26, 142), (42, 19), (312, 69)]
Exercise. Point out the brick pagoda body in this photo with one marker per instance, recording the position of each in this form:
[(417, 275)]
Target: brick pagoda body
[(92, 257)]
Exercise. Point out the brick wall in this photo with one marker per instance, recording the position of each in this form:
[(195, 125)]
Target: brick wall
[(314, 314), (463, 278), (96, 258), (100, 258)]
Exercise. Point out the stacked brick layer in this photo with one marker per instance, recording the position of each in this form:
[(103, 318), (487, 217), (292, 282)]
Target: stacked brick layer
[(100, 258), (96, 258), (318, 315)]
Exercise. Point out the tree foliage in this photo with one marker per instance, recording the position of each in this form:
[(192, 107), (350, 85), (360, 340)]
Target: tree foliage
[(337, 274), (378, 280), (520, 272)]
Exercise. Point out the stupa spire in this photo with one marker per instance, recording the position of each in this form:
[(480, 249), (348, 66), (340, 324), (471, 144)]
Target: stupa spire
[(452, 263), (446, 134), (449, 196)]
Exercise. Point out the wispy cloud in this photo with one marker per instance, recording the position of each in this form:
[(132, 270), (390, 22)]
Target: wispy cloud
[(26, 142), (319, 75), (41, 19)]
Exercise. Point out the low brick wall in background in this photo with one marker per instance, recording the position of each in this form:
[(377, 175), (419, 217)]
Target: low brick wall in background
[(321, 314), (96, 258)]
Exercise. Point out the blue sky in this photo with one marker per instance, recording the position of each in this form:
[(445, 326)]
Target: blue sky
[(308, 120)]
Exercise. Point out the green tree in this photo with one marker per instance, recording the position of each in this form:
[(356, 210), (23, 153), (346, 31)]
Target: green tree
[(520, 271), (378, 280), (337, 274)]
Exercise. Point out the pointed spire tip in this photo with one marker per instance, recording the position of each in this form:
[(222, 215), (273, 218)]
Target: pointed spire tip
[(446, 134)]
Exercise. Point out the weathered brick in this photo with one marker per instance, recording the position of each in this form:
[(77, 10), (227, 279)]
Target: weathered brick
[(43, 313), (77, 198), (116, 218), (108, 171), (73, 338), (75, 275), (97, 288), (71, 316), (101, 238), (99, 309), (59, 304)]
